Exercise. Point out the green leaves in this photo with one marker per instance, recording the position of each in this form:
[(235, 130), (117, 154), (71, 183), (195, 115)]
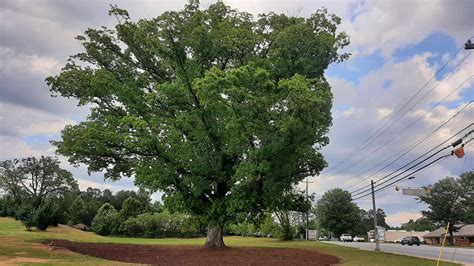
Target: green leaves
[(451, 200), (210, 106), (336, 211)]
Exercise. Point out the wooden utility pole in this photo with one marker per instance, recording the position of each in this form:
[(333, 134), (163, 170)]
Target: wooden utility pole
[(376, 232), (307, 211)]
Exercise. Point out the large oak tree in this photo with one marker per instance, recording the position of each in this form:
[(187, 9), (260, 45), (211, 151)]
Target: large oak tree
[(222, 112)]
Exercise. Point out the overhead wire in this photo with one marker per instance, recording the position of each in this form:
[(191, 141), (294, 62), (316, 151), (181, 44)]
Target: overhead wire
[(367, 141), (391, 178), (400, 117), (406, 176), (439, 145), (405, 129), (410, 149)]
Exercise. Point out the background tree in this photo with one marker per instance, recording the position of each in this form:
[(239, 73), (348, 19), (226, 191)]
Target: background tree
[(36, 179), (107, 220), (366, 221), (336, 211), (78, 212), (221, 112), (132, 207), (450, 201), (420, 224)]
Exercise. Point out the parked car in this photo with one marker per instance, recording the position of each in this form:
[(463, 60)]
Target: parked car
[(323, 238), (358, 239), (411, 240), (399, 240), (345, 238)]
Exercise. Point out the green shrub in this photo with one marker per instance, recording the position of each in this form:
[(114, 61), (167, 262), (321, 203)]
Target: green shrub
[(285, 232), (133, 226), (47, 214), (25, 213), (7, 206), (243, 229), (107, 220), (132, 207), (162, 224)]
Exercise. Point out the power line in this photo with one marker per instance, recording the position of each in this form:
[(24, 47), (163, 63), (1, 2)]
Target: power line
[(400, 117), (367, 141), (393, 177), (419, 142), (419, 156), (406, 176), (440, 159), (446, 147), (406, 128)]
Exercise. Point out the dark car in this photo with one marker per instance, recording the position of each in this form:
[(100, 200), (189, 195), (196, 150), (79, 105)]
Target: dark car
[(410, 240)]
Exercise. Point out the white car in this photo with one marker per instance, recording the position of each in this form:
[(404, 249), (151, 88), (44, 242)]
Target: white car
[(323, 238), (358, 239), (372, 240), (345, 238)]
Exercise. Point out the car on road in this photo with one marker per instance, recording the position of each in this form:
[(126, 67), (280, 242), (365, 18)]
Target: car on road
[(323, 238), (345, 238), (411, 240), (358, 239), (372, 240), (399, 240)]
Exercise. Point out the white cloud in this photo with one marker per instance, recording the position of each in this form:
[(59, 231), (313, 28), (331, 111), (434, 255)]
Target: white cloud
[(13, 147), (401, 217), (391, 25), (13, 62), (22, 121), (383, 112)]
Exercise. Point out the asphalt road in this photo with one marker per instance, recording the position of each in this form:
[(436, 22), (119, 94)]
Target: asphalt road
[(459, 255)]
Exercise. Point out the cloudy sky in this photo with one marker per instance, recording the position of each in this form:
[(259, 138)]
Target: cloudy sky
[(397, 48)]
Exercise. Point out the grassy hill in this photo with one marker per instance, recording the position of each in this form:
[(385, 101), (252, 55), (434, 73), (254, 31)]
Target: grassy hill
[(18, 246)]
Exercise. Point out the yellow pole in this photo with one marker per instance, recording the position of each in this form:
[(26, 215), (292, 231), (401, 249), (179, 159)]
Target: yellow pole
[(442, 245)]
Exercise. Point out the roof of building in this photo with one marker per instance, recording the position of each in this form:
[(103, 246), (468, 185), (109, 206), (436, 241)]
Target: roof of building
[(464, 230)]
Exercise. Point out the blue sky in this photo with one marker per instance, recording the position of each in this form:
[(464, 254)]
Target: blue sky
[(396, 47)]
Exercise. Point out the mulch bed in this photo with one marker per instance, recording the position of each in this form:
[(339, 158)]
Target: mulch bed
[(195, 255)]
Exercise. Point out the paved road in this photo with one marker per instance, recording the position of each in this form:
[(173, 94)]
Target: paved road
[(459, 255)]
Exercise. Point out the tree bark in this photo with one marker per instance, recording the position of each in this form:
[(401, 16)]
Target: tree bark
[(451, 237), (215, 237), (450, 230)]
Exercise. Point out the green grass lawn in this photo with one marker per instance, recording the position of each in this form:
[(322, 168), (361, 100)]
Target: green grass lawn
[(18, 246)]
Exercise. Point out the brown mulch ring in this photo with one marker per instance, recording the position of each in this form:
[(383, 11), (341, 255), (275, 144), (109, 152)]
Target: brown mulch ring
[(195, 255)]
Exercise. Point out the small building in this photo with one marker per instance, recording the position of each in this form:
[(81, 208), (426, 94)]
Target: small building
[(463, 237), (395, 235)]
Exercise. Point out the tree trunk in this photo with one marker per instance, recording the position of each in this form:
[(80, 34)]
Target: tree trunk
[(215, 237), (451, 238), (450, 230)]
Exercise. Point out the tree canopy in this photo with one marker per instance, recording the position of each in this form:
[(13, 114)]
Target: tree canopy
[(451, 200), (222, 112), (35, 179), (337, 213)]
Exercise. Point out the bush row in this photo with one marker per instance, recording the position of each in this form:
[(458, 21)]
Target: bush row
[(109, 221)]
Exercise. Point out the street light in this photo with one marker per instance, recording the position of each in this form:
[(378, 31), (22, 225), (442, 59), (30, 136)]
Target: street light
[(469, 45)]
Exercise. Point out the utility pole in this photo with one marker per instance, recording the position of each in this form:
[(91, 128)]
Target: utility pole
[(307, 211), (376, 232)]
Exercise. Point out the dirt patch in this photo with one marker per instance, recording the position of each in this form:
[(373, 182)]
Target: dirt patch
[(192, 255), (5, 261)]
